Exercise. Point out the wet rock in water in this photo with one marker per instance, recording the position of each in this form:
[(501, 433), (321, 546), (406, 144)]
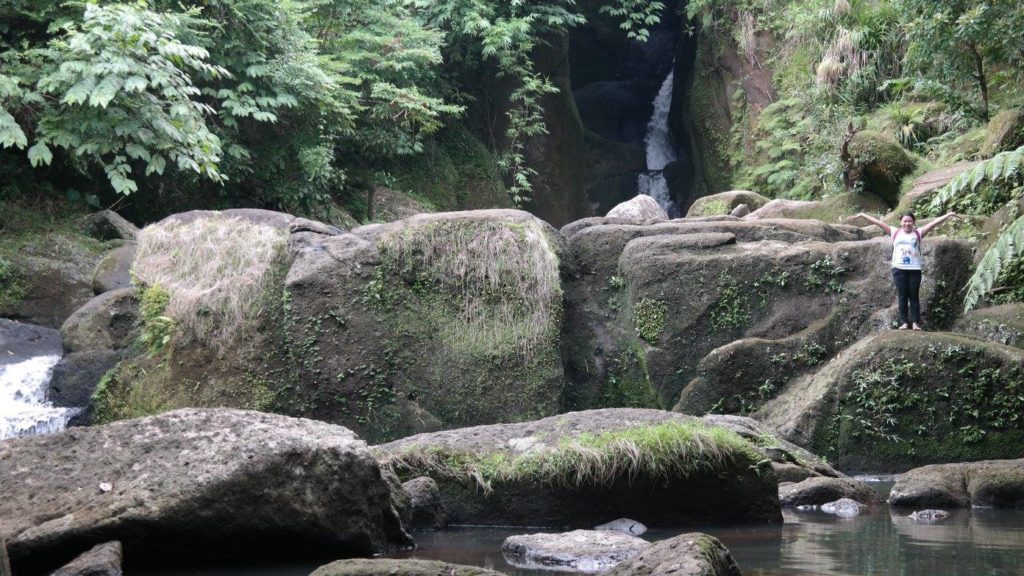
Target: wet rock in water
[(640, 207), (822, 489), (398, 567), (428, 510), (693, 554), (624, 526), (985, 484), (734, 482), (844, 508), (251, 483), (928, 516), (102, 560), (20, 341), (75, 379), (578, 551)]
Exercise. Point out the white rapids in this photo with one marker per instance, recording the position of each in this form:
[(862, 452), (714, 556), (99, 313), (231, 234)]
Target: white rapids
[(24, 410), (658, 146)]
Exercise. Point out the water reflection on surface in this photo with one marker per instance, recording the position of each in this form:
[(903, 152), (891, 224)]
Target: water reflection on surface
[(881, 543)]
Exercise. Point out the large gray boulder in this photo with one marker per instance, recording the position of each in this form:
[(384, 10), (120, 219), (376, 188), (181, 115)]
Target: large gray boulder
[(693, 554), (985, 484), (399, 567), (640, 207), (576, 551), (55, 280), (428, 509), (107, 322), (250, 483), (520, 474)]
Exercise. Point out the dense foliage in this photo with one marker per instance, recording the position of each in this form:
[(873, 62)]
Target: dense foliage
[(275, 103)]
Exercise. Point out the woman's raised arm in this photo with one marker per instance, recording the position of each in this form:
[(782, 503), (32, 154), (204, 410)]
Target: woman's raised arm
[(885, 227)]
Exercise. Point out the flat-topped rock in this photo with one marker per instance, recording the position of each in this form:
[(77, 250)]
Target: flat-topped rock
[(577, 551), (249, 482), (399, 567), (985, 484), (625, 462)]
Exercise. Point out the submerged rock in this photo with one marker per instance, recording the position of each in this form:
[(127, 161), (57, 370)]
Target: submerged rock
[(576, 551), (822, 490), (623, 462), (843, 508), (985, 484), (623, 526), (102, 560), (399, 567), (693, 554), (928, 516), (251, 483)]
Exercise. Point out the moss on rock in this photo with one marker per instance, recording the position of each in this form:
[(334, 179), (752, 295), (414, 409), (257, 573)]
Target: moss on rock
[(880, 162)]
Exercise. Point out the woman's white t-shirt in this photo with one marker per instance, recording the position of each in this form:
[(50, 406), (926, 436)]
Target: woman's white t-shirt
[(906, 250)]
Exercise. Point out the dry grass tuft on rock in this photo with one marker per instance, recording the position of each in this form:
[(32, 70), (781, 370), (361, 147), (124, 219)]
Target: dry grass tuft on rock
[(502, 276), (214, 270)]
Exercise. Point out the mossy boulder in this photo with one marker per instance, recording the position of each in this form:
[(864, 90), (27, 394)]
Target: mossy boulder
[(723, 203), (904, 398), (821, 303), (640, 207), (1003, 324), (643, 304), (878, 160), (1005, 131), (583, 468), (822, 490), (113, 272), (832, 209), (439, 320), (693, 554), (986, 484)]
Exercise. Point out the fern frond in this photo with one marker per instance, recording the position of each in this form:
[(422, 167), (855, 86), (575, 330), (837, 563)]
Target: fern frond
[(1000, 167), (1008, 246)]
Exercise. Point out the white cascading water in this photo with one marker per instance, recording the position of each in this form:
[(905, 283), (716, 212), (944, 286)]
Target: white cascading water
[(658, 145), (24, 410)]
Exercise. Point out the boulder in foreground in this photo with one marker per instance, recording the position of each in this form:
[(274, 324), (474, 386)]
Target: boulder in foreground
[(986, 484), (693, 554), (249, 483)]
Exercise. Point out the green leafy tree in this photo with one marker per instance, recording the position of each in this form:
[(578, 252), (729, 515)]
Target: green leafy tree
[(115, 89), (963, 40)]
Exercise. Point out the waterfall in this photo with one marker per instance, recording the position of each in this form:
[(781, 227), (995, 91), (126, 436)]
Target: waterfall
[(658, 145), (23, 407)]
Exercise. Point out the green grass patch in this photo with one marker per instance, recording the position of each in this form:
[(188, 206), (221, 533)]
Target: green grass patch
[(659, 452)]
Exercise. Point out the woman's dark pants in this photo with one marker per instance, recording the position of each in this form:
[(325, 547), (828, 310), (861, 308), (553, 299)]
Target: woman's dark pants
[(908, 284)]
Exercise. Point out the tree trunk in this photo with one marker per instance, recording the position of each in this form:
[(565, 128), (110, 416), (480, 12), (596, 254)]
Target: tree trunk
[(979, 75)]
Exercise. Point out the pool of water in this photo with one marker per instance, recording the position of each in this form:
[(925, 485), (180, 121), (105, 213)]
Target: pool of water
[(880, 543)]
